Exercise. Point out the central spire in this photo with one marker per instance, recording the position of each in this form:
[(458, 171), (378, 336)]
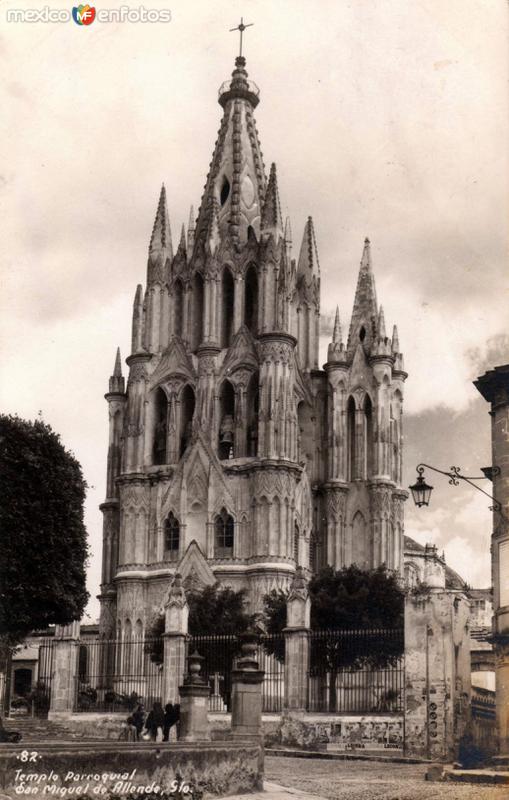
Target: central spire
[(236, 183)]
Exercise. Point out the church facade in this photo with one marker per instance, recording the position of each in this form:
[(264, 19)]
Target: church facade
[(232, 456)]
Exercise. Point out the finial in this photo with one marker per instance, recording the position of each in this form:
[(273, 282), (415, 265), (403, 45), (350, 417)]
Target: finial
[(366, 255), (241, 28), (183, 236), (288, 231), (161, 233), (191, 225)]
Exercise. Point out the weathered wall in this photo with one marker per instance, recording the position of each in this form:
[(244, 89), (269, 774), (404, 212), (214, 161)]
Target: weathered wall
[(218, 768), (437, 673)]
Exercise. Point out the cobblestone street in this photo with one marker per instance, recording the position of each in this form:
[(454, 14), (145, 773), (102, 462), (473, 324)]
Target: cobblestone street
[(369, 780)]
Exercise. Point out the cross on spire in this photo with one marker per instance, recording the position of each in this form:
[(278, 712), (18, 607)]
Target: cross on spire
[(242, 28)]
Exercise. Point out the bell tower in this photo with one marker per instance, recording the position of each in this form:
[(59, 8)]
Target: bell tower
[(232, 455)]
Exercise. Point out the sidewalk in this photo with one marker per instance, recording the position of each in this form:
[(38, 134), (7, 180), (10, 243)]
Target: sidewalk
[(273, 791)]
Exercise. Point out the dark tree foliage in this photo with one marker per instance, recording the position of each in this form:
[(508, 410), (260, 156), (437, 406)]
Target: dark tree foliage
[(347, 600), (43, 543), (213, 611)]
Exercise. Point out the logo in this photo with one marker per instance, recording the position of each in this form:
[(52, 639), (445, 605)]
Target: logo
[(83, 15)]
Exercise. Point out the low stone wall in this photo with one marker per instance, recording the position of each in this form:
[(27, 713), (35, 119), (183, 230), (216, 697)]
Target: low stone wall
[(340, 732), (92, 769)]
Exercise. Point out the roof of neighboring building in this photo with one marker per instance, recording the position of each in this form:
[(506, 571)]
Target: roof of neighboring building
[(452, 579)]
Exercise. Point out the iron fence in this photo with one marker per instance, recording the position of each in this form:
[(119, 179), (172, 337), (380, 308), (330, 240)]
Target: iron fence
[(220, 653), (117, 674), (356, 671)]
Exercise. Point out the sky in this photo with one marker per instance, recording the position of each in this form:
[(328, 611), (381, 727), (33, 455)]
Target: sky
[(386, 119)]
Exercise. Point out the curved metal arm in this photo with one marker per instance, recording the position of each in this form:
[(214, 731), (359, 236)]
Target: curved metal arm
[(455, 477)]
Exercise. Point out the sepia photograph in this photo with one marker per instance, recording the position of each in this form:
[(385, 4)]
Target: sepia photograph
[(254, 400)]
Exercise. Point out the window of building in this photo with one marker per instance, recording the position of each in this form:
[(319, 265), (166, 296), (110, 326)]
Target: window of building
[(224, 530), (225, 190), (227, 423), (198, 310), (172, 537), (227, 297), (368, 438), (251, 300), (161, 427), (179, 308), (188, 403), (350, 425)]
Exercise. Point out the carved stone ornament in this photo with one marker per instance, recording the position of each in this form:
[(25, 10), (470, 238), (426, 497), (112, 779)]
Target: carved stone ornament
[(177, 594), (299, 586)]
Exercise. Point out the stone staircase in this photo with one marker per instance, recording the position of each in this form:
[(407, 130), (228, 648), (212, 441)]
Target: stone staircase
[(38, 729)]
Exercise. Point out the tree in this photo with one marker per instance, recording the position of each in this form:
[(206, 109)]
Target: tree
[(354, 603), (218, 614), (43, 538)]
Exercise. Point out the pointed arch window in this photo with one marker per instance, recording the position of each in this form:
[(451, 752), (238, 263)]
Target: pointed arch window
[(225, 190), (224, 528), (178, 308), (350, 428), (227, 303), (253, 407), (368, 438), (172, 537), (251, 300), (160, 427), (188, 404), (227, 423), (198, 310)]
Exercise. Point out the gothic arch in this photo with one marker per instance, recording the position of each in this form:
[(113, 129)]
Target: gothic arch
[(252, 413), (224, 534), (368, 443), (172, 537)]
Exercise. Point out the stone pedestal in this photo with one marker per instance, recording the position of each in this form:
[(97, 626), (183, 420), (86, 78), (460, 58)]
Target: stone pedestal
[(65, 669), (175, 635), (247, 682), (194, 704), (298, 613)]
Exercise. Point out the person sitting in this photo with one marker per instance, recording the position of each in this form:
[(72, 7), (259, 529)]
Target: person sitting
[(155, 722), (128, 732), (139, 720)]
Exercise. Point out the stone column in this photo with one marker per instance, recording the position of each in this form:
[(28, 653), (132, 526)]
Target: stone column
[(176, 613), (194, 702), (437, 673), (65, 670), (247, 681), (494, 387), (298, 612)]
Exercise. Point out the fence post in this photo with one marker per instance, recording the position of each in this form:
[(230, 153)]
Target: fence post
[(247, 681), (298, 616), (176, 613), (65, 669), (194, 701)]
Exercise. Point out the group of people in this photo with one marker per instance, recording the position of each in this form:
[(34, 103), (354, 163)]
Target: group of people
[(154, 726)]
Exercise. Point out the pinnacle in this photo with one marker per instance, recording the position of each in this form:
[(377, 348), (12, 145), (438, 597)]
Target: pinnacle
[(395, 340), (337, 334), (271, 213), (117, 369), (366, 255), (308, 257), (381, 324), (288, 231), (365, 315), (161, 232)]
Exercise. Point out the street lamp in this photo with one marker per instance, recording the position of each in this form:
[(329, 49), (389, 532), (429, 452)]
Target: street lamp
[(421, 491)]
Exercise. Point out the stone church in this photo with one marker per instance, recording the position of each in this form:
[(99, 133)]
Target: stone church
[(233, 456)]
